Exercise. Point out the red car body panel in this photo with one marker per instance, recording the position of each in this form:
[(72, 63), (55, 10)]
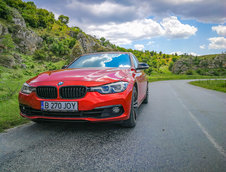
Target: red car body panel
[(88, 77), (84, 75)]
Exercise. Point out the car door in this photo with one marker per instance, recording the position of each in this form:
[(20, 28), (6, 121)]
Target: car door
[(141, 80)]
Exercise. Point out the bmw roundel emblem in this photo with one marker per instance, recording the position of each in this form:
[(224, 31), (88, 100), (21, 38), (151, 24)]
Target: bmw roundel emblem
[(60, 83)]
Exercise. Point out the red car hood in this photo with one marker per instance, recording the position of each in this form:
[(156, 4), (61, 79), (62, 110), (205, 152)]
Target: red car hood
[(98, 75)]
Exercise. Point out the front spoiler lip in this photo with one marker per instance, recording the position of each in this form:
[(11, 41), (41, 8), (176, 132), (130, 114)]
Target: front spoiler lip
[(90, 119)]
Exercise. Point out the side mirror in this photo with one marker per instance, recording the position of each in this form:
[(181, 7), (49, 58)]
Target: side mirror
[(142, 66), (63, 67)]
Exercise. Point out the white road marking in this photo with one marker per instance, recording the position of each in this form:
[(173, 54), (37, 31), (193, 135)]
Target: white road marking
[(219, 148)]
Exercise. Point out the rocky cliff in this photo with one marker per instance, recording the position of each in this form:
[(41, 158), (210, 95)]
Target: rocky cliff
[(204, 65), (25, 39)]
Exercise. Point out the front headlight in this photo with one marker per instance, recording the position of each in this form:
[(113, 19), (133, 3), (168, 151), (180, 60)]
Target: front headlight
[(116, 87), (27, 89)]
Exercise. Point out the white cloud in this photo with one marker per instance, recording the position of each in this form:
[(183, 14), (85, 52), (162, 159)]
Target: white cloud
[(87, 12), (202, 46), (99, 9), (150, 43), (175, 29), (127, 32), (220, 29), (194, 54), (217, 43), (208, 11), (139, 46)]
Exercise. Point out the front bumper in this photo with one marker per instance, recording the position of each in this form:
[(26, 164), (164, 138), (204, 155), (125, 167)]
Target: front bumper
[(94, 107)]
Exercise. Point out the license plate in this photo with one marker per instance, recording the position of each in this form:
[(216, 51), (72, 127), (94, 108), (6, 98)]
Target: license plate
[(59, 106)]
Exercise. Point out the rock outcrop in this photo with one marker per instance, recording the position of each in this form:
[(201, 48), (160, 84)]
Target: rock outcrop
[(7, 61), (3, 30), (17, 18), (183, 65), (87, 44), (26, 40)]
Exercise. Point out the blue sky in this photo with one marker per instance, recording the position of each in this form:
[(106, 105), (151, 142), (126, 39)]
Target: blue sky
[(183, 26)]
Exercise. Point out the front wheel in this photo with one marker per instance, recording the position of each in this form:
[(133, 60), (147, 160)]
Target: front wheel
[(131, 122)]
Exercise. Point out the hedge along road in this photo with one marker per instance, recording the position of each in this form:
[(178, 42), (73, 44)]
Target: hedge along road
[(183, 128)]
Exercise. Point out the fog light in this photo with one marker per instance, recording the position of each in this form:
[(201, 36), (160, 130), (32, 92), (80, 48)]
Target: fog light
[(116, 109)]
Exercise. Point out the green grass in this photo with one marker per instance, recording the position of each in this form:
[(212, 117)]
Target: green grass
[(9, 107), (218, 85), (162, 77), (10, 85)]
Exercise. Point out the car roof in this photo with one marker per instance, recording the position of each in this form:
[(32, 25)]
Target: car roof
[(111, 52)]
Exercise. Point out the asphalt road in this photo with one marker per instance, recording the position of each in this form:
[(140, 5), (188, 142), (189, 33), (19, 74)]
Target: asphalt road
[(183, 128)]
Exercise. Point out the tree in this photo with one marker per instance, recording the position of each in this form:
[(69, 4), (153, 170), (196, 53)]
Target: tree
[(46, 18), (170, 66), (152, 53), (5, 12), (102, 39), (174, 59), (63, 19), (30, 18), (31, 3), (14, 3), (40, 54)]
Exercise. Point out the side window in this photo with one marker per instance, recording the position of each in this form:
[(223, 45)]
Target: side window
[(135, 61)]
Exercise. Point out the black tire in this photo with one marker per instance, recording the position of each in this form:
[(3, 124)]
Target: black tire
[(145, 101), (131, 122)]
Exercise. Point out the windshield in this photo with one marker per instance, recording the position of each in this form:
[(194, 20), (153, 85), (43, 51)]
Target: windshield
[(102, 60)]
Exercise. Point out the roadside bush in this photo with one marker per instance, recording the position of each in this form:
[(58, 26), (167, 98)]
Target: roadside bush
[(32, 66), (216, 72), (40, 54), (200, 72), (174, 59), (7, 42), (189, 72), (51, 66), (149, 71), (28, 73), (170, 66)]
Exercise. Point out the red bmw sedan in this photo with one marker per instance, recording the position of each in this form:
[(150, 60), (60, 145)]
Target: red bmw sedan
[(99, 87)]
